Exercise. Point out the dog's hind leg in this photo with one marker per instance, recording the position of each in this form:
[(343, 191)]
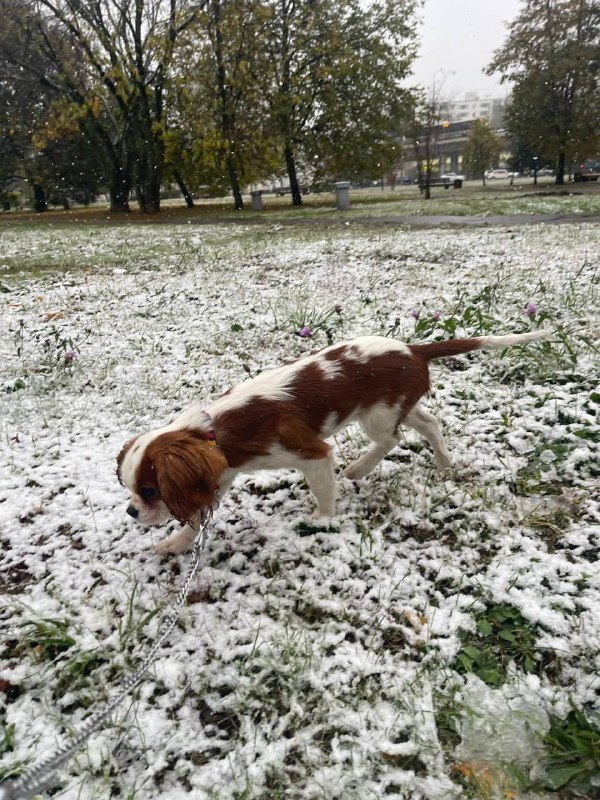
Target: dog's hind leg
[(381, 426), (427, 425)]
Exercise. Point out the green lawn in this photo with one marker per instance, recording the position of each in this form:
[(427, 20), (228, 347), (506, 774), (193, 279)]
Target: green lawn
[(473, 199)]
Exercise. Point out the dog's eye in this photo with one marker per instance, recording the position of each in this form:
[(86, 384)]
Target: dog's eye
[(148, 493)]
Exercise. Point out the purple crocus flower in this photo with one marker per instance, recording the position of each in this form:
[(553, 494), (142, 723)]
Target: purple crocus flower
[(415, 313), (338, 308), (436, 315), (304, 332), (70, 356), (530, 310)]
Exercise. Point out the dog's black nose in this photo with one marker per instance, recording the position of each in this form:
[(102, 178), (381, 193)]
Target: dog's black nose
[(133, 512)]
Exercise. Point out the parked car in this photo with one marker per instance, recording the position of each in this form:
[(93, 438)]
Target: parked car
[(493, 174), (583, 173), (545, 171), (452, 176)]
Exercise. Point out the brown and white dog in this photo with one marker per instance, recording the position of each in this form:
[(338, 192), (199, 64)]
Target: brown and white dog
[(281, 418)]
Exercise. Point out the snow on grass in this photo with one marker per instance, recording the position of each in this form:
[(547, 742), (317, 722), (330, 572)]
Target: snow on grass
[(367, 658), (481, 202), (473, 199)]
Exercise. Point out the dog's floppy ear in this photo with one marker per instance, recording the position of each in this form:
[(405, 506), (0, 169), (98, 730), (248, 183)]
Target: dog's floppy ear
[(187, 470), (120, 458)]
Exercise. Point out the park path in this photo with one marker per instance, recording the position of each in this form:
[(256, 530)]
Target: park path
[(424, 221), (326, 219)]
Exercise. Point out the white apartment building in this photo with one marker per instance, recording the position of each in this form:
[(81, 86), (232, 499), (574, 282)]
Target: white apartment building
[(473, 105)]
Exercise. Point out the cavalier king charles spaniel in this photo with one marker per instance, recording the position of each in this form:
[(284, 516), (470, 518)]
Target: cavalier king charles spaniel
[(282, 418)]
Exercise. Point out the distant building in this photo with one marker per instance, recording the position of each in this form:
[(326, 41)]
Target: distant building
[(473, 105), (449, 138)]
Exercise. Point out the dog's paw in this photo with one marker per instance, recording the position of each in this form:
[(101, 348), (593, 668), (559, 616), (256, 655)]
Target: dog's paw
[(172, 546), (311, 525), (356, 471), (177, 543), (323, 516)]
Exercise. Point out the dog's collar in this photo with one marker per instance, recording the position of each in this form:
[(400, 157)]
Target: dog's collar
[(207, 430)]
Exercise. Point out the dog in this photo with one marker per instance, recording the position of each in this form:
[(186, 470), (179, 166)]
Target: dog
[(281, 419)]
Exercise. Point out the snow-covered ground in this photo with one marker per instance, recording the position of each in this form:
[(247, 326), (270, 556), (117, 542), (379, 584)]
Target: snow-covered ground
[(423, 642)]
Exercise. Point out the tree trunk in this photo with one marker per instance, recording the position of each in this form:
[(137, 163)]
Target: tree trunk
[(147, 186), (119, 190), (560, 171), (226, 108), (189, 200), (427, 182), (234, 182), (290, 164), (39, 198), (148, 197)]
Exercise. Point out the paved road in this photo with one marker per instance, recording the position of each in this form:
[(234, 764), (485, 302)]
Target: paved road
[(506, 219), (332, 220)]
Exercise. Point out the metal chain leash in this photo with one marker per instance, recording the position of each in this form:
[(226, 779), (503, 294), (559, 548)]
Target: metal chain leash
[(34, 781)]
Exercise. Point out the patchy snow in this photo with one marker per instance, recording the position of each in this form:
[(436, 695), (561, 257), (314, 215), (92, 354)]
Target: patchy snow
[(313, 662)]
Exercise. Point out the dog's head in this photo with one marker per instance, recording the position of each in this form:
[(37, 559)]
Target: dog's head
[(172, 473)]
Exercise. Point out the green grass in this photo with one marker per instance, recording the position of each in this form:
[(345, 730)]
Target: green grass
[(572, 762), (46, 639), (502, 638), (473, 199), (491, 201)]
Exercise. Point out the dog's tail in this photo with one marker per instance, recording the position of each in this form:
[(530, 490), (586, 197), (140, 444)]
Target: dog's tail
[(454, 347)]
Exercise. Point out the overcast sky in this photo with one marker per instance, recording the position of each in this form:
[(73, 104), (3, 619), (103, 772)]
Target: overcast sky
[(460, 36)]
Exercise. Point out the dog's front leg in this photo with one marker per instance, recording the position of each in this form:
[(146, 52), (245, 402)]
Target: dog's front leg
[(183, 539), (179, 542), (320, 477)]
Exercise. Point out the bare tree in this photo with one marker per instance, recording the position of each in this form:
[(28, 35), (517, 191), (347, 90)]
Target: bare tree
[(426, 128)]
